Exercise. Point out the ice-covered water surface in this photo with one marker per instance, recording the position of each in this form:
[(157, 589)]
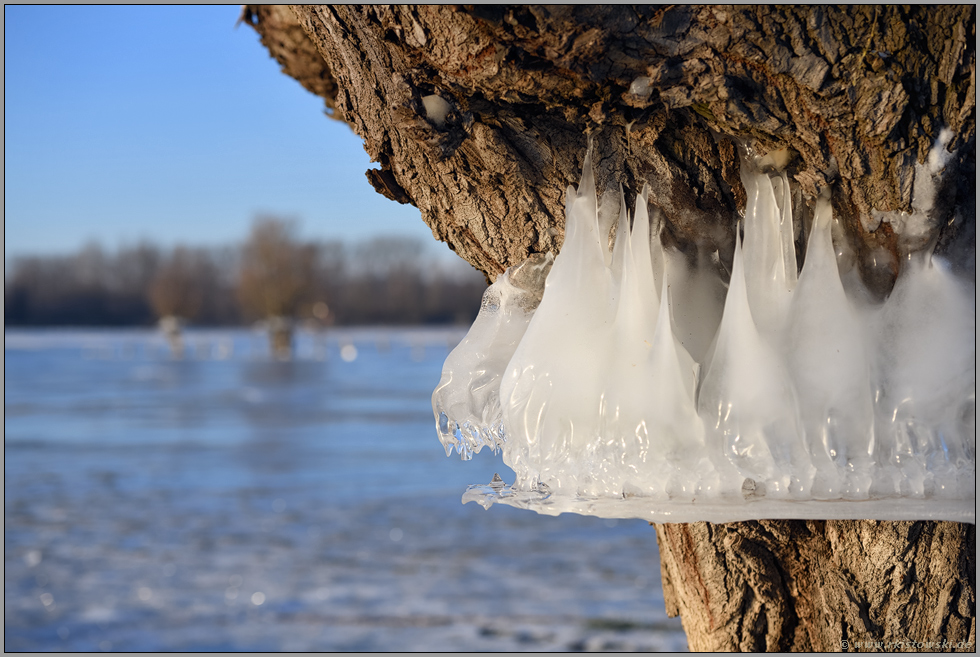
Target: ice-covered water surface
[(640, 387), (230, 501)]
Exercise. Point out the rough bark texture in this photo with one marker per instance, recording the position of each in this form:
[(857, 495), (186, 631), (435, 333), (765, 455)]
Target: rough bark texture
[(859, 94), (669, 96), (822, 585)]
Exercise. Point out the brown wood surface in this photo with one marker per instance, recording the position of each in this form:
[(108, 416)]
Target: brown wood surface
[(669, 94)]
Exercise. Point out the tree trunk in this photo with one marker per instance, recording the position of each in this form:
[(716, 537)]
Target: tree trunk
[(822, 585), (478, 115)]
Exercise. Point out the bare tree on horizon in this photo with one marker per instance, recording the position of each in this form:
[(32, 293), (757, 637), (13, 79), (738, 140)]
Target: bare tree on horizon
[(276, 277)]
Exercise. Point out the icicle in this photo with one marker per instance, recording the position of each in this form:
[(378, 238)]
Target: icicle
[(748, 405), (770, 261), (640, 387), (466, 401), (550, 391), (622, 439), (677, 457), (831, 371), (925, 368)]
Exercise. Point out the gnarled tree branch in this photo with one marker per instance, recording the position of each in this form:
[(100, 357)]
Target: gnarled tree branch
[(857, 95)]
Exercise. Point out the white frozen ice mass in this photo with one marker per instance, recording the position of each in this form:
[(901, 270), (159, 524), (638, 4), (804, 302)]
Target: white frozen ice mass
[(640, 387), (466, 401), (436, 109), (919, 222)]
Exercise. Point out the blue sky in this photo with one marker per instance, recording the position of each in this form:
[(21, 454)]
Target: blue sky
[(169, 124)]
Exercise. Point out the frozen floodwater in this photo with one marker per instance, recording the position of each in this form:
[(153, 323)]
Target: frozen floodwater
[(231, 502)]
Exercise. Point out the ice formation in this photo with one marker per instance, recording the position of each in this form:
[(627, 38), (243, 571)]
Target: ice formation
[(436, 109), (925, 186), (640, 387), (466, 401)]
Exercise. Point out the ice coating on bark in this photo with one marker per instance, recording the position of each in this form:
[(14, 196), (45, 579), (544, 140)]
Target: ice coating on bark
[(831, 370), (670, 468), (550, 392), (466, 401), (697, 300), (748, 405), (925, 392), (642, 387), (770, 258), (919, 222)]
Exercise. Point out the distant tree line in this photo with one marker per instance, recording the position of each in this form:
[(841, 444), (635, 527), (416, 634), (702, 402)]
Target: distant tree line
[(387, 280)]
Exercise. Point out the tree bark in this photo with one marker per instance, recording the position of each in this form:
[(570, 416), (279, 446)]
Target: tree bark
[(669, 94), (822, 585)]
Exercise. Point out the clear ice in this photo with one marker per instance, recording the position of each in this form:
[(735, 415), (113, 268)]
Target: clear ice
[(466, 401), (624, 380)]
